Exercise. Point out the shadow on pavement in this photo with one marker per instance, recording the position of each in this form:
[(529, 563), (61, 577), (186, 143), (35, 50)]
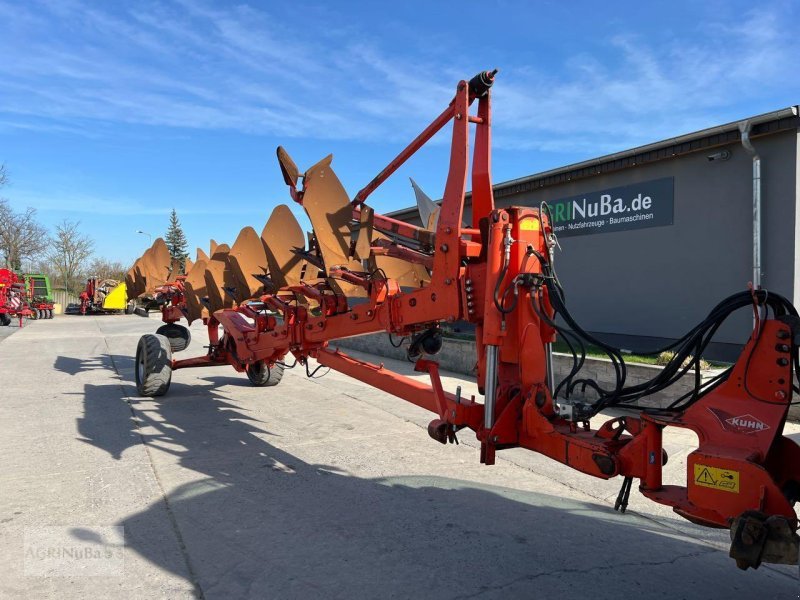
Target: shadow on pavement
[(261, 522), (73, 366)]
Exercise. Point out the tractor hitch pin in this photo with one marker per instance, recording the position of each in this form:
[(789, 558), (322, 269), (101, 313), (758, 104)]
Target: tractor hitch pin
[(491, 387)]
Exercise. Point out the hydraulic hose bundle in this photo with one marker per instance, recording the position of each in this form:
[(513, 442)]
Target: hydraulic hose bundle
[(688, 350)]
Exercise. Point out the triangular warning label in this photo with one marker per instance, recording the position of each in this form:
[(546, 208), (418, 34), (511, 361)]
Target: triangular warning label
[(705, 477)]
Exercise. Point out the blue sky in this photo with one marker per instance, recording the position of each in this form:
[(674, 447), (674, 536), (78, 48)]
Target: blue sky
[(112, 113)]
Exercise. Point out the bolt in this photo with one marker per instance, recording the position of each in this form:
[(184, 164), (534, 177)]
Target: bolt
[(354, 317), (495, 439), (783, 334), (469, 282), (505, 216), (782, 362), (369, 313), (782, 348), (448, 281), (780, 395), (470, 304), (458, 116), (443, 247), (448, 230)]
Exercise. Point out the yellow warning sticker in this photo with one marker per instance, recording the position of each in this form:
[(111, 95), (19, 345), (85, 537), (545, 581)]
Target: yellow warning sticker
[(530, 224), (719, 479)]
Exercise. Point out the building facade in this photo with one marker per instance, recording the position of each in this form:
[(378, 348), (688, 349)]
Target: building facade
[(652, 238)]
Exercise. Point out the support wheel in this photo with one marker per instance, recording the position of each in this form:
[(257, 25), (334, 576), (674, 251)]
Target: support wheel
[(153, 365), (130, 307), (49, 313), (178, 336), (5, 320), (261, 374)]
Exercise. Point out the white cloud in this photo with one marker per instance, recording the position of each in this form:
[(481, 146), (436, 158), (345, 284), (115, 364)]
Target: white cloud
[(77, 66)]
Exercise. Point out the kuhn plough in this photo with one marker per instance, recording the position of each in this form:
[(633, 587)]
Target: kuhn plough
[(271, 295)]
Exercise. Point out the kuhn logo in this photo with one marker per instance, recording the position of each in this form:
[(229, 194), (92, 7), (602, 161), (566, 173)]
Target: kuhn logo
[(741, 424), (746, 423)]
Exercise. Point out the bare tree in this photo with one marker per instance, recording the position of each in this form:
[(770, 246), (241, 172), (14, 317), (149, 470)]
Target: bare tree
[(69, 252), (3, 175), (22, 237), (106, 269)]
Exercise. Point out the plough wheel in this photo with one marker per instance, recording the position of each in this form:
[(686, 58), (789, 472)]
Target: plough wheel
[(261, 374), (153, 365), (178, 336), (4, 320)]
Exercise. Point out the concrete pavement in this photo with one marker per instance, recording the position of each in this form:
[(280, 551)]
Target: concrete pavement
[(322, 487)]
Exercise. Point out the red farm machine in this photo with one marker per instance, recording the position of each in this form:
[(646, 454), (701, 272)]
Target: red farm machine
[(102, 296), (14, 298), (271, 295)]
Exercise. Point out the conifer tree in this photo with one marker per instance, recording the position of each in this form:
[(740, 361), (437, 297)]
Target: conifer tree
[(176, 241)]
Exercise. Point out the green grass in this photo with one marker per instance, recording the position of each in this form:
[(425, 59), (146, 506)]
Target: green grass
[(591, 351), (596, 352)]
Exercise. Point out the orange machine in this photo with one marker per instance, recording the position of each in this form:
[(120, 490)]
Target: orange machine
[(497, 273)]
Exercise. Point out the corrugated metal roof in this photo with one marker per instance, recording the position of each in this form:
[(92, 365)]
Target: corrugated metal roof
[(764, 124)]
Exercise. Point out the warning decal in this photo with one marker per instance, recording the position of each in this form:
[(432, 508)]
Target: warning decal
[(719, 479), (529, 224)]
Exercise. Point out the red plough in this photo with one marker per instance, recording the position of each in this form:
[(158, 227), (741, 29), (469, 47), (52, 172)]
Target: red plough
[(497, 273)]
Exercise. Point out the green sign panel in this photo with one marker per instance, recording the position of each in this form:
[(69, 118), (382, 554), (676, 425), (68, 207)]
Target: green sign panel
[(636, 206)]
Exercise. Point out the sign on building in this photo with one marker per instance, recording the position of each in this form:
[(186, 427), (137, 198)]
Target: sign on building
[(636, 206)]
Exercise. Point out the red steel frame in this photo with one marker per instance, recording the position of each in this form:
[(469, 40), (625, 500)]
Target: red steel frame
[(466, 267)]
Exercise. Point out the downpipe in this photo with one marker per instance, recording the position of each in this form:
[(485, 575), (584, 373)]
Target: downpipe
[(745, 129)]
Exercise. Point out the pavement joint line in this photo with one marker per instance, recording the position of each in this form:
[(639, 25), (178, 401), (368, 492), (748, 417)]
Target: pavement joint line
[(198, 591)]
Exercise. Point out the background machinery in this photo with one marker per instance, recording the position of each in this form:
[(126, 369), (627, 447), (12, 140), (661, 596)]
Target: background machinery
[(271, 295), (13, 298), (40, 299), (103, 296)]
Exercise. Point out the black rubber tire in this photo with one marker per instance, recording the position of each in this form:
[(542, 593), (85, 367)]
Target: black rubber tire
[(153, 367), (178, 336), (141, 312), (130, 307), (49, 313), (261, 374), (5, 320)]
